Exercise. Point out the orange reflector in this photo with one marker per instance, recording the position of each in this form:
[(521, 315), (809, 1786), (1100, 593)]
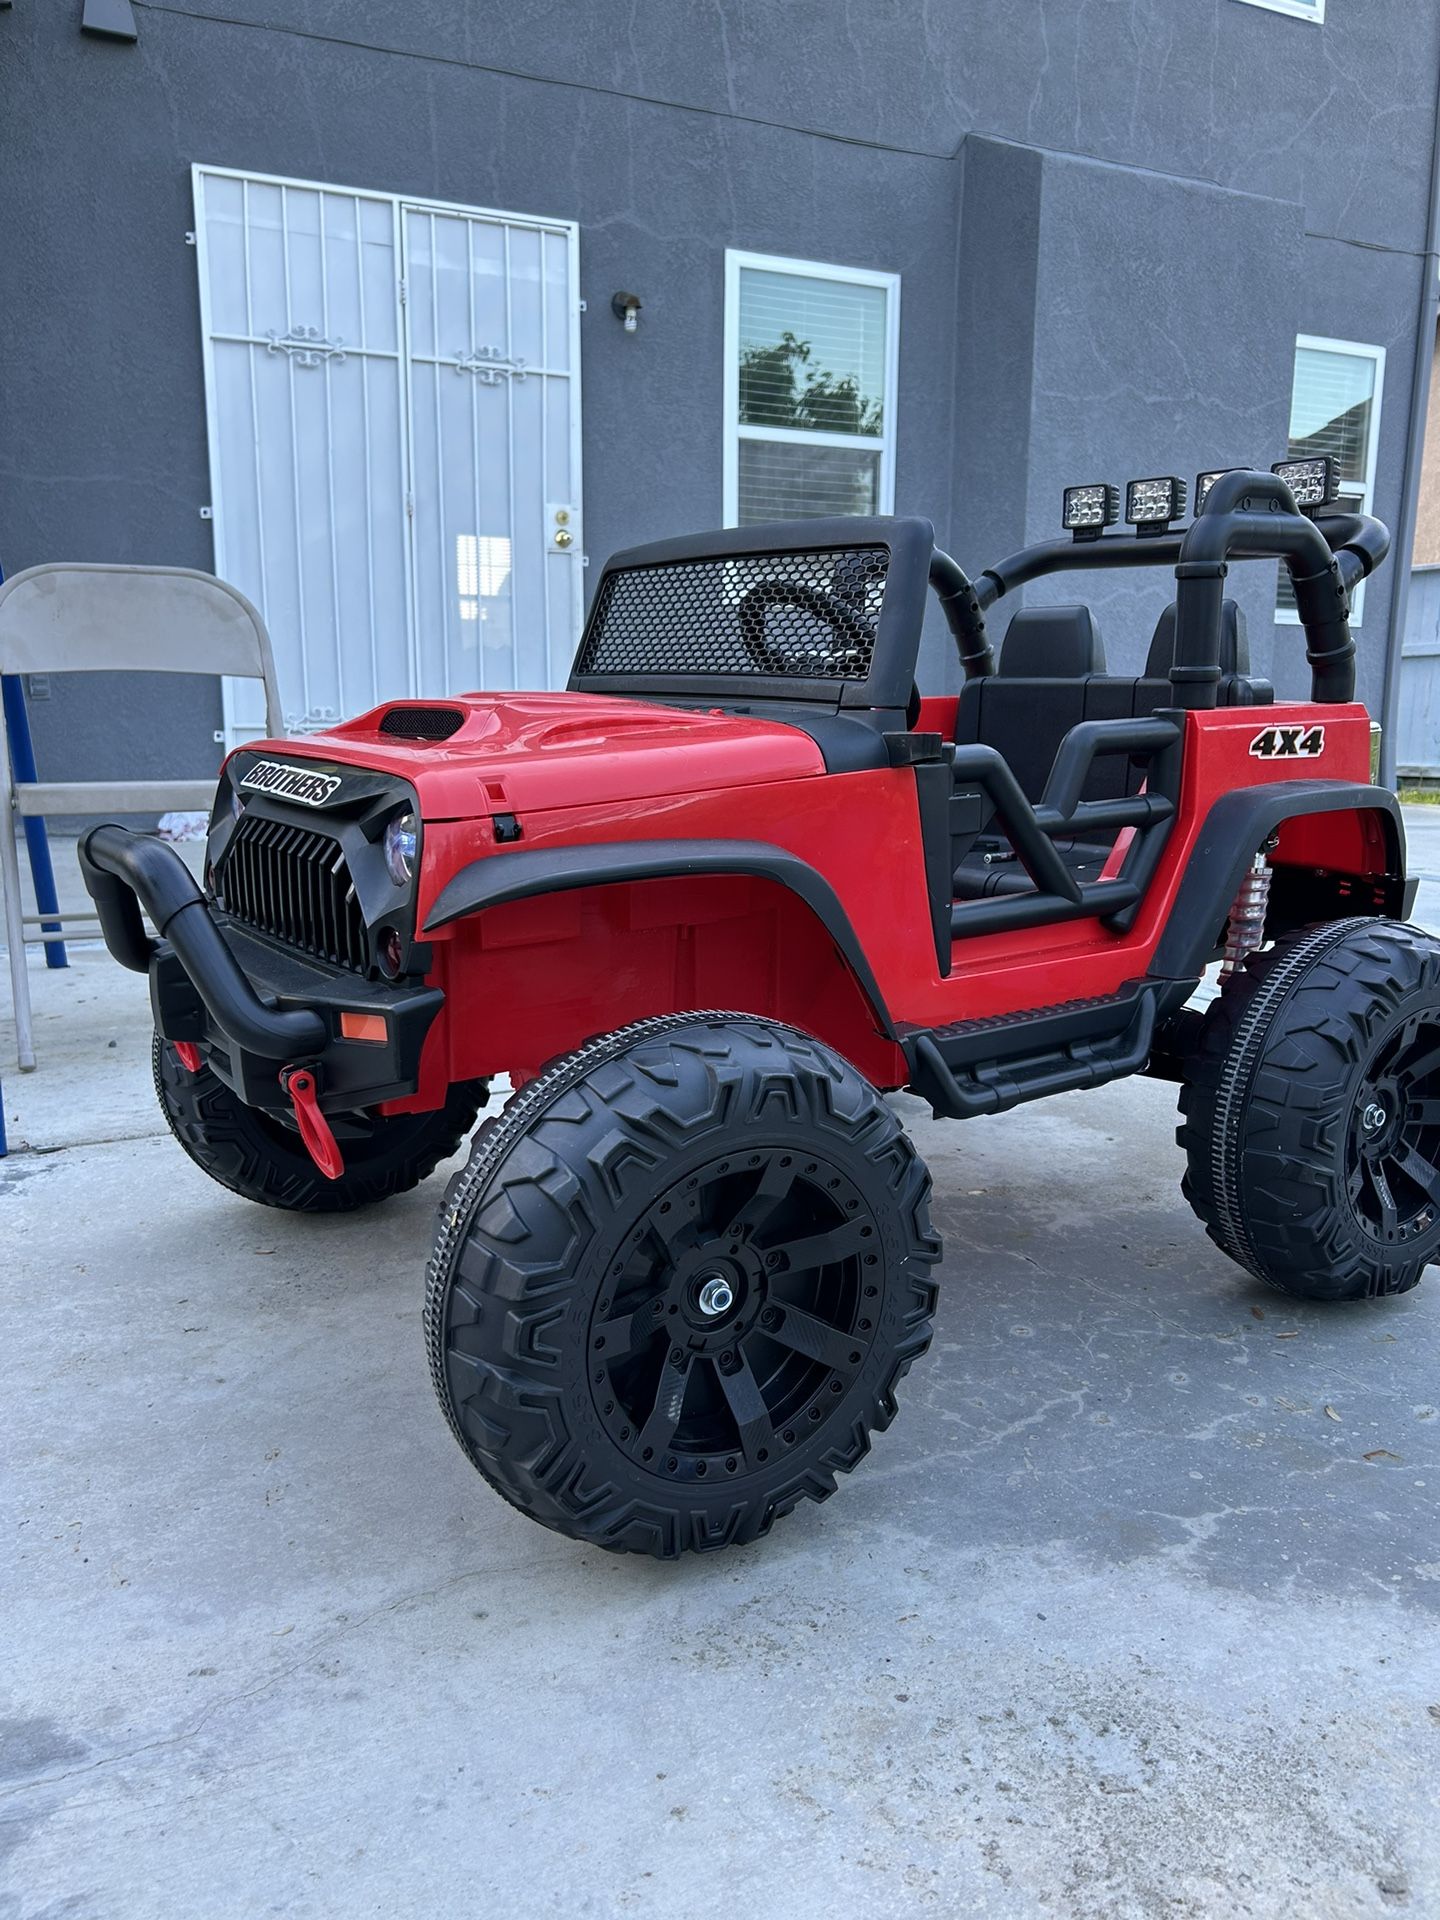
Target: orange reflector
[(364, 1026)]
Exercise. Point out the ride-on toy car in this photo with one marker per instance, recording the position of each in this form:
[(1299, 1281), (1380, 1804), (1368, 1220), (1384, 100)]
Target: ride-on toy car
[(708, 904)]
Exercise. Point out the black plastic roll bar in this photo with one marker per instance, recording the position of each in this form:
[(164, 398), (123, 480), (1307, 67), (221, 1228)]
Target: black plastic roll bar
[(1246, 516), (964, 615), (1058, 893)]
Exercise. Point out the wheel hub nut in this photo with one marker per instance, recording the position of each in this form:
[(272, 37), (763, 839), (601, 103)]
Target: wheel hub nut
[(1374, 1117), (716, 1296)]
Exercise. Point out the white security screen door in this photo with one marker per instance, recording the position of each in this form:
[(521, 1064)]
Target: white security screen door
[(489, 314), (392, 394)]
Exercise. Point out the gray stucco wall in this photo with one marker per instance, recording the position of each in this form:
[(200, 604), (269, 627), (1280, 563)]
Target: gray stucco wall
[(1111, 220)]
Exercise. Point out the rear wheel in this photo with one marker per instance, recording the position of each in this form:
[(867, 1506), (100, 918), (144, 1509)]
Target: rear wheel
[(1311, 1112), (674, 1290), (258, 1156)]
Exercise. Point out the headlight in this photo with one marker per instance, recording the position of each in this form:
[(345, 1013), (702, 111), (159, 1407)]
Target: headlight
[(400, 843), (237, 803)]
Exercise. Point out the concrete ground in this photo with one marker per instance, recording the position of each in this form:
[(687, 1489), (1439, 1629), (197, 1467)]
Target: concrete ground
[(1132, 1613)]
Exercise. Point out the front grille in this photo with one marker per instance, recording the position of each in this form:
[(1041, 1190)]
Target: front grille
[(422, 723), (293, 883), (809, 616)]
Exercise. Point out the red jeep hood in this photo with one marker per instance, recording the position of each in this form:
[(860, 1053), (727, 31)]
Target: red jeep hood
[(546, 750)]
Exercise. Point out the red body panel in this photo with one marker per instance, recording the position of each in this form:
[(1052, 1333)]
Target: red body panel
[(518, 751), (530, 980)]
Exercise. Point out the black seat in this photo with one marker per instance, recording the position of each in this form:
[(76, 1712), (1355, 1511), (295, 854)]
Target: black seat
[(1238, 687), (1048, 660), (1051, 643), (1051, 676)]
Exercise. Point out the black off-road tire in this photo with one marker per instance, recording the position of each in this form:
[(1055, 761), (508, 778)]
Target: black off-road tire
[(262, 1159), (1311, 1110), (576, 1338)]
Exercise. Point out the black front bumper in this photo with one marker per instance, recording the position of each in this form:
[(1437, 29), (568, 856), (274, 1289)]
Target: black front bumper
[(252, 1006)]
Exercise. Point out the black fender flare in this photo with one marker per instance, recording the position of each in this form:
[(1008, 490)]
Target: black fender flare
[(501, 877), (1235, 829)]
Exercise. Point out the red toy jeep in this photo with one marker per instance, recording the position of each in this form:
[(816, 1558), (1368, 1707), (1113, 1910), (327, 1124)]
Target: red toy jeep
[(707, 905)]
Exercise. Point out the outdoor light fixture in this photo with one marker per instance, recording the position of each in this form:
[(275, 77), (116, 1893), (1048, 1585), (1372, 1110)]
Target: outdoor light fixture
[(1150, 505), (1089, 510), (1205, 481), (1314, 483), (625, 306)]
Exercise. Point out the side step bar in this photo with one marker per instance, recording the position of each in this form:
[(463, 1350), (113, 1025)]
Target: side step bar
[(988, 1066)]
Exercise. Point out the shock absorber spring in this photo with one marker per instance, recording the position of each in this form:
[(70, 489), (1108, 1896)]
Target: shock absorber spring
[(1245, 933)]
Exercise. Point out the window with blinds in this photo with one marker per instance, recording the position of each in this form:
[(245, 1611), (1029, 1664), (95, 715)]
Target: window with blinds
[(810, 373), (1335, 409)]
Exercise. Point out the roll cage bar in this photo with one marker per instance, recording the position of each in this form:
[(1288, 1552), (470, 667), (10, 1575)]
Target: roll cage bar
[(1246, 516)]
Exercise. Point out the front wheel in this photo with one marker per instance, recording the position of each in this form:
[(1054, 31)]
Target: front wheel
[(676, 1286), (258, 1156), (1312, 1112)]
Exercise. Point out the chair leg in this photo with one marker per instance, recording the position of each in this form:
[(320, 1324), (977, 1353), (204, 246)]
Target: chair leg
[(15, 939)]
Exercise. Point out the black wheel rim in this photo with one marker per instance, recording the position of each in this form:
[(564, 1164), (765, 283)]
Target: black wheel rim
[(1393, 1148), (735, 1314)]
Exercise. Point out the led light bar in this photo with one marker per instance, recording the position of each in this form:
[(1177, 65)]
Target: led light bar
[(1205, 481), (1089, 510), (1155, 503), (1314, 483)]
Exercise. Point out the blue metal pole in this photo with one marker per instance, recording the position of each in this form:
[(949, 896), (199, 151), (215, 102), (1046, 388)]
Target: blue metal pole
[(37, 845), (22, 753)]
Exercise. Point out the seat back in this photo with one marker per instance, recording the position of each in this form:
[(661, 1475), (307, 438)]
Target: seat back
[(1238, 687), (1051, 676), (82, 618)]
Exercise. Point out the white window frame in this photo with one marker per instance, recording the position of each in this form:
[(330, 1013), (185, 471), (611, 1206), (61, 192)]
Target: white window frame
[(1297, 9), (884, 442), (1358, 350)]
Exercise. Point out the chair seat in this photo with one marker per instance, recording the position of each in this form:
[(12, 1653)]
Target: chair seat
[(41, 797)]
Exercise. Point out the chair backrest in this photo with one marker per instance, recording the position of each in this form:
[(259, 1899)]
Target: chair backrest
[(1051, 643), (1238, 687), (1051, 676), (82, 618)]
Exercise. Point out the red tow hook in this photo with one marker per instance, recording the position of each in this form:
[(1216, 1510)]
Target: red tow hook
[(188, 1054), (320, 1142)]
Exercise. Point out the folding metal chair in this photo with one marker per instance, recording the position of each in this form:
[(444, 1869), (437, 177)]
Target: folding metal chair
[(98, 619)]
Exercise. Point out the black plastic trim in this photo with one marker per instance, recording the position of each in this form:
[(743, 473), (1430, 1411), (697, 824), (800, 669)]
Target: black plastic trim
[(123, 871), (351, 1074), (934, 795), (851, 742), (354, 817), (897, 639), (502, 877), (1235, 829), (990, 1066)]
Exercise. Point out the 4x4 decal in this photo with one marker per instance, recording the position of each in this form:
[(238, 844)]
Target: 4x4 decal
[(1288, 743)]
